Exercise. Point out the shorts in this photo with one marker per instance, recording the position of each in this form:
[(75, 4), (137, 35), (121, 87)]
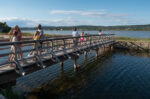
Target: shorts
[(39, 47), (13, 49)]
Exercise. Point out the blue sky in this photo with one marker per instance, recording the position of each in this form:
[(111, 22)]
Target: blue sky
[(28, 13)]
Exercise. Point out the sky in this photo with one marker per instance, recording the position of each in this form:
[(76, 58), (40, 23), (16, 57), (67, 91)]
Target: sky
[(30, 13)]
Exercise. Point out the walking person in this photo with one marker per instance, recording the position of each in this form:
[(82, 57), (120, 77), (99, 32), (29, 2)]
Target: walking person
[(75, 34), (82, 38), (100, 32), (41, 31), (37, 37), (14, 49), (19, 37)]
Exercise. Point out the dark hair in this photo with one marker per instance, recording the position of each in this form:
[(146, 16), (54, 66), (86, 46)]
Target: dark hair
[(39, 26), (15, 33), (100, 30), (75, 29), (17, 28)]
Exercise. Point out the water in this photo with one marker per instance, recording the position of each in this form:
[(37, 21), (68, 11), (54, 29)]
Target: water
[(114, 75), (135, 34)]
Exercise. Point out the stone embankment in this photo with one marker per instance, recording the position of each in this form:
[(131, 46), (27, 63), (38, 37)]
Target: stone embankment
[(138, 46)]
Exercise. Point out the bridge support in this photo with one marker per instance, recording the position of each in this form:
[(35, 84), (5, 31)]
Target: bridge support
[(75, 63), (96, 53), (111, 47), (54, 49), (61, 64)]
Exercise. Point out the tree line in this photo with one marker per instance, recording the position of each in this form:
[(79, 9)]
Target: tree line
[(4, 28), (88, 27)]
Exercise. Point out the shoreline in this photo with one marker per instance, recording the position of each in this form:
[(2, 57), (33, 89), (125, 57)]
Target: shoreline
[(135, 44), (24, 34), (131, 39)]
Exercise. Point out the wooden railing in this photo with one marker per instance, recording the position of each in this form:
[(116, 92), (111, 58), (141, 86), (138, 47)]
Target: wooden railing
[(51, 48)]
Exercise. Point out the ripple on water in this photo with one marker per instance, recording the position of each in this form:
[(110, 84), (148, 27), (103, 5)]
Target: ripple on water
[(115, 75)]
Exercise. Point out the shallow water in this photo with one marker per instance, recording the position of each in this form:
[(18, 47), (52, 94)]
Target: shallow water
[(114, 75), (135, 34)]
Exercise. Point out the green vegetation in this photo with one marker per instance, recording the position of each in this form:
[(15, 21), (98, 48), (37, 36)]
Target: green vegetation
[(89, 27), (4, 28), (129, 39)]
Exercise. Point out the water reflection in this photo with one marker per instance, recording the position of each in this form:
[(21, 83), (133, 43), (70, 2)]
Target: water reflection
[(114, 74)]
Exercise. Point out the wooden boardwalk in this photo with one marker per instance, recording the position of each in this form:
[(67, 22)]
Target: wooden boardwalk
[(53, 49)]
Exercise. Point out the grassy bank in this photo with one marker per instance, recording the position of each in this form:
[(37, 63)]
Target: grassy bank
[(29, 34), (129, 39)]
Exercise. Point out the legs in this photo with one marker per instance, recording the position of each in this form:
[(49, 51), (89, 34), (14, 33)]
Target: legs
[(11, 57), (20, 50)]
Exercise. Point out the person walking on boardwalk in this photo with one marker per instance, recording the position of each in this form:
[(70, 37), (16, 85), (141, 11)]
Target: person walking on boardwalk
[(37, 37), (100, 32), (19, 37), (14, 49), (41, 31), (75, 34), (82, 38)]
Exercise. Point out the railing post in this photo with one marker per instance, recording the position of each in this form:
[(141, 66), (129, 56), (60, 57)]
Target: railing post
[(99, 39), (91, 45), (47, 46), (61, 64), (64, 49), (52, 52)]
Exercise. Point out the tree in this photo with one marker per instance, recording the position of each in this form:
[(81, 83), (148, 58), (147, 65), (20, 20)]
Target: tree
[(4, 28)]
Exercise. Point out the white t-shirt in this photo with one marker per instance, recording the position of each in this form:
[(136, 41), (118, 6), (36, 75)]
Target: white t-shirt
[(75, 33), (14, 39), (41, 33), (100, 33)]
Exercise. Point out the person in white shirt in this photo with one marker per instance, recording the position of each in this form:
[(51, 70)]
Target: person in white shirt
[(100, 32), (13, 48), (75, 34)]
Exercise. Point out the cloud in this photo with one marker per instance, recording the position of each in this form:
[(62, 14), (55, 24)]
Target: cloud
[(64, 12), (25, 22), (90, 13), (90, 17), (101, 17)]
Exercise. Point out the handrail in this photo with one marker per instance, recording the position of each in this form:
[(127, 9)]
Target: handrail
[(54, 46), (49, 39)]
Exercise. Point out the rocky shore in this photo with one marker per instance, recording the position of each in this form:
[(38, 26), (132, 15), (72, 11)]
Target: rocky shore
[(131, 45)]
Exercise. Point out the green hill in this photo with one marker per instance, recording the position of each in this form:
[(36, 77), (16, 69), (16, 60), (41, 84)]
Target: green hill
[(4, 28), (90, 27)]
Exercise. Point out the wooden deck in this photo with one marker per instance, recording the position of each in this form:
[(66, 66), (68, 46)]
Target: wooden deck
[(54, 49)]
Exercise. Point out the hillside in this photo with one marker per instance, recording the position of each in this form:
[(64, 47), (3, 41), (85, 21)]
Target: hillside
[(89, 27)]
